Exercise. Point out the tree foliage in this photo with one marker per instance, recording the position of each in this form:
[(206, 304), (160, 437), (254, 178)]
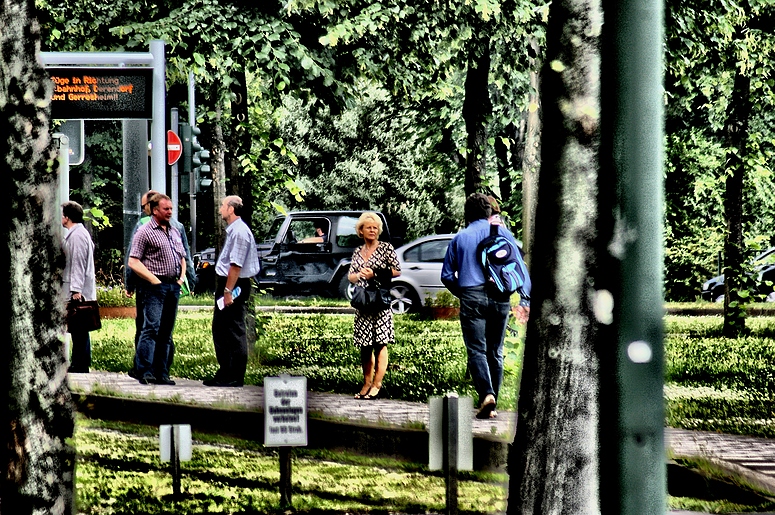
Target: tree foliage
[(371, 156), (708, 47)]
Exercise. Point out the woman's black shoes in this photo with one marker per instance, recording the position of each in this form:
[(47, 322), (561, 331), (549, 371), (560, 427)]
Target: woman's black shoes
[(373, 393), (362, 396)]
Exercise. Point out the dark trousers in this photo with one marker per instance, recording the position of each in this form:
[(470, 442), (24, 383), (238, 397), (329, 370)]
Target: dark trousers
[(483, 321), (80, 360), (230, 335)]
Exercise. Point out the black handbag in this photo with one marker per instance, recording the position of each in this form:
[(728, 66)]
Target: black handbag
[(371, 298), (83, 315)]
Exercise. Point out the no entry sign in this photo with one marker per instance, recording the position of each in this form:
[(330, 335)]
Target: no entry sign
[(174, 148)]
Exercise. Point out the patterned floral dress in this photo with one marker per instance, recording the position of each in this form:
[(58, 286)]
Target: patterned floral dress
[(376, 328)]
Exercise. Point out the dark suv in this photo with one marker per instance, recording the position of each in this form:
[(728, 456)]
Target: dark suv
[(309, 252)]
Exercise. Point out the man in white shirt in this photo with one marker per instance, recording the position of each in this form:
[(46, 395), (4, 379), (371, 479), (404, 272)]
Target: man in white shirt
[(236, 266)]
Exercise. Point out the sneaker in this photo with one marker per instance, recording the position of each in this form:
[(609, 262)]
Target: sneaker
[(165, 380), (147, 379), (493, 414), (487, 407)]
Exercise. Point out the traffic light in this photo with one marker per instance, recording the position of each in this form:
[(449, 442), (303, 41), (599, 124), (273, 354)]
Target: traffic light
[(202, 172), (187, 138), (196, 160)]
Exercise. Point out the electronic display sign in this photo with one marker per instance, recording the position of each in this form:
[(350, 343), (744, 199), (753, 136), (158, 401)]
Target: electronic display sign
[(101, 93)]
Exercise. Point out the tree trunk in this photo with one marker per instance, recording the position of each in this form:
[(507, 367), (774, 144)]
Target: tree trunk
[(530, 166), (239, 146), (734, 261), (554, 463), (38, 416), (477, 107), (219, 175)]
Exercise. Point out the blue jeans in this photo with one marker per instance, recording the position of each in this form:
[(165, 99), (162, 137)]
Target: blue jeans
[(483, 321), (160, 308)]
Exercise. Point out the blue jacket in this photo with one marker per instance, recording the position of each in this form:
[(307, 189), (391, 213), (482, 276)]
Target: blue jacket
[(461, 265)]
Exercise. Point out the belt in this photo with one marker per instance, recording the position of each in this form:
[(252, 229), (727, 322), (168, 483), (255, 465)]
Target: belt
[(168, 279)]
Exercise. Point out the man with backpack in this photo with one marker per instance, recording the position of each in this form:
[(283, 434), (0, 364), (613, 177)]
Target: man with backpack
[(483, 267)]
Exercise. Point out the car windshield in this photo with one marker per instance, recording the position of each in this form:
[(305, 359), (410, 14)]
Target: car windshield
[(272, 233), (345, 232), (764, 259)]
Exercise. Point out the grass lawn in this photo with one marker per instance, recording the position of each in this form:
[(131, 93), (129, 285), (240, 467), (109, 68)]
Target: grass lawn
[(711, 383)]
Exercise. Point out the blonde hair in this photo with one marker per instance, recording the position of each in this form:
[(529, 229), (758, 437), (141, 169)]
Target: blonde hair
[(367, 217)]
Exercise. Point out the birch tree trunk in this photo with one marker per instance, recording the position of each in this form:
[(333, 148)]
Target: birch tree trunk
[(38, 416), (554, 464)]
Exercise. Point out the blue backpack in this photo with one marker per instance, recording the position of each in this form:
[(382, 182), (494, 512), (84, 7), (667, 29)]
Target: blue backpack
[(502, 264)]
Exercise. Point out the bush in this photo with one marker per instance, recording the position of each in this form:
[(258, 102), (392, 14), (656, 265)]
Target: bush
[(712, 383), (427, 359), (720, 384), (113, 296)]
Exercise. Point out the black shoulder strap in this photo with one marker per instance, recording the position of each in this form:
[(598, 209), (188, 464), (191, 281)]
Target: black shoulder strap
[(493, 230)]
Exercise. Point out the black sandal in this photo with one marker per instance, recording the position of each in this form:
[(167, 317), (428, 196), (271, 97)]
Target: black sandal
[(369, 396), (362, 396)]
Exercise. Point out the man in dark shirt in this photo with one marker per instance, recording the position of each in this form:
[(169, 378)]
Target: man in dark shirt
[(158, 258)]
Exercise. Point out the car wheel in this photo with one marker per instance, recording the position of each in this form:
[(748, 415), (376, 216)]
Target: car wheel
[(346, 288), (405, 299)]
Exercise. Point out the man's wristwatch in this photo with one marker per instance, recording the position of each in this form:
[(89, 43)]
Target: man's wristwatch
[(226, 290)]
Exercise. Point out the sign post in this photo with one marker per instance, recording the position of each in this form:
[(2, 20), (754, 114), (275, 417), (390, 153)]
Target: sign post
[(451, 441), (285, 423), (175, 446)]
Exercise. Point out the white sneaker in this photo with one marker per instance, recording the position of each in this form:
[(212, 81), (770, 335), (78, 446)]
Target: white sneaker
[(487, 407)]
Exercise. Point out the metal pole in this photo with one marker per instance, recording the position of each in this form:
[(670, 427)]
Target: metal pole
[(191, 178), (449, 432), (175, 186), (175, 460), (285, 478), (135, 180), (159, 122), (63, 158), (632, 445)]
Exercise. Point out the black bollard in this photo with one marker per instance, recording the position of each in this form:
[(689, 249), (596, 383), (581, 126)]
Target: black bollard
[(450, 436)]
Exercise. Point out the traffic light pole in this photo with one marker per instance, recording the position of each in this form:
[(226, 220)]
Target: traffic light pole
[(191, 178), (632, 407), (174, 185), (158, 125)]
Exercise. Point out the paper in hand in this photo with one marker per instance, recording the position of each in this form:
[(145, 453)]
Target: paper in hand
[(234, 294)]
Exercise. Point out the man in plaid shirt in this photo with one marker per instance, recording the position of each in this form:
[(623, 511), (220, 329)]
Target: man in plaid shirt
[(158, 257)]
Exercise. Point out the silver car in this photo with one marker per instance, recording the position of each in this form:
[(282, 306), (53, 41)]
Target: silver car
[(421, 262)]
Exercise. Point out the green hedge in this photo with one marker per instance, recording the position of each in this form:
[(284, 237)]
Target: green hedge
[(427, 359), (720, 384), (712, 382)]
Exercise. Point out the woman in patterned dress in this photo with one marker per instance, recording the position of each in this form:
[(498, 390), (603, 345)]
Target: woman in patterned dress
[(374, 331)]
